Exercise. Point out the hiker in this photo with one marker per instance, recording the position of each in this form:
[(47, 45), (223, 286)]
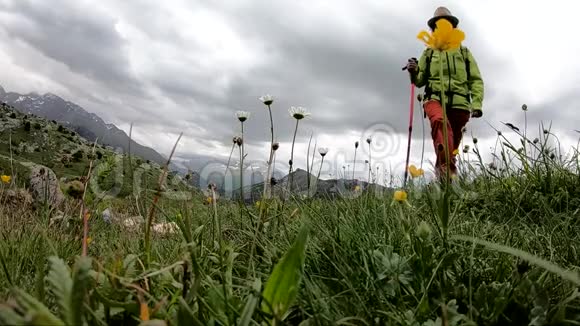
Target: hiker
[(463, 92)]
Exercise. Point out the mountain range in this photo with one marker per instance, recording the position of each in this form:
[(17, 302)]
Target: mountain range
[(74, 117)]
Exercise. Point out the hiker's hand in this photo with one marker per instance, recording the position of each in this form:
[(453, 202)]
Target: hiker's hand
[(412, 64), (476, 113)]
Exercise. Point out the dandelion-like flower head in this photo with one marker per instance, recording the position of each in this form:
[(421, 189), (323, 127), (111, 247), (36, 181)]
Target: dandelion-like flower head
[(298, 112), (444, 37), (242, 115), (267, 99)]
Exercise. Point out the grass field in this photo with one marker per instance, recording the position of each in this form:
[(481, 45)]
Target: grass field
[(497, 246)]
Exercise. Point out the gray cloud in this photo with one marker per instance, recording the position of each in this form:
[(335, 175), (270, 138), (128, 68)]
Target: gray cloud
[(157, 66)]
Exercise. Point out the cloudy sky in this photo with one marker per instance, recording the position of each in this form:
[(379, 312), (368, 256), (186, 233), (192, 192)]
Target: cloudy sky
[(186, 66)]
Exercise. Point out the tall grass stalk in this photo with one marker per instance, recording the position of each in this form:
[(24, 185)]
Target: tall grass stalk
[(152, 210)]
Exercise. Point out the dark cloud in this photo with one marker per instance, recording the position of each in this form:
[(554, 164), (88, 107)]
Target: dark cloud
[(342, 62), (81, 37)]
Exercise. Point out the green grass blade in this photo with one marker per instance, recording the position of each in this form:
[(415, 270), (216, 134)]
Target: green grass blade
[(551, 267), (251, 304), (61, 284), (9, 317), (39, 313), (282, 285), (80, 285)]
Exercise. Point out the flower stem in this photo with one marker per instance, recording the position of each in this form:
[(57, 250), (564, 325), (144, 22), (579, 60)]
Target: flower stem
[(291, 176), (319, 170), (268, 183), (370, 164), (443, 106), (354, 164), (242, 167), (444, 208)]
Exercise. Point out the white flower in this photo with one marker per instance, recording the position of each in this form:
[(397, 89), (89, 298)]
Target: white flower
[(322, 150), (267, 99), (242, 115), (298, 112)]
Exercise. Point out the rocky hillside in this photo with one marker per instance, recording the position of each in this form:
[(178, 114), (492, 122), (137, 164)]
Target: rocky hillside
[(31, 146), (74, 117)]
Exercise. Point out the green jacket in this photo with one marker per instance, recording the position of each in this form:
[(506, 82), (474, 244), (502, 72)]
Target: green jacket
[(456, 67)]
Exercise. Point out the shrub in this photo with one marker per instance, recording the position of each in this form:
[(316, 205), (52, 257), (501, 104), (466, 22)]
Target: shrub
[(77, 156), (37, 126), (13, 115), (27, 126), (60, 128)]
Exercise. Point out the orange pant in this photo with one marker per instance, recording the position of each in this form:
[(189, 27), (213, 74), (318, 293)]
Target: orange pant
[(456, 120)]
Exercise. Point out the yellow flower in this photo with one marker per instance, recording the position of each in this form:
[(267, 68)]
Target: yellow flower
[(415, 172), (400, 195), (6, 178), (89, 240), (357, 188), (456, 151), (444, 38)]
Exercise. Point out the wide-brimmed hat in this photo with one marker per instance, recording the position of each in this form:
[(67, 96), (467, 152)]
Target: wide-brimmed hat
[(440, 13)]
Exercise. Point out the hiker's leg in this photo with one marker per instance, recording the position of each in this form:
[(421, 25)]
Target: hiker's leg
[(458, 118), (434, 112)]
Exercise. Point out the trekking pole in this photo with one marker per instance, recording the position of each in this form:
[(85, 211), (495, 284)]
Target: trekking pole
[(411, 109)]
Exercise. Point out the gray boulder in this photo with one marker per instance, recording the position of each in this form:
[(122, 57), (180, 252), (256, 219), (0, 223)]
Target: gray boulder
[(44, 185)]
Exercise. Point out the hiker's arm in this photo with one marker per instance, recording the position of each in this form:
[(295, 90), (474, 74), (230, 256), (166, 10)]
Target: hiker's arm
[(475, 83), (419, 77)]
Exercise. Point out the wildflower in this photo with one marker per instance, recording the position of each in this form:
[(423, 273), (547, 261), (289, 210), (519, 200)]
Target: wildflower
[(275, 146), (466, 149), (546, 131), (369, 140), (357, 188), (267, 99), (356, 144), (400, 196), (444, 37), (208, 200), (424, 230), (298, 113), (475, 140), (242, 115), (456, 151), (536, 140), (322, 151), (89, 240), (524, 107), (238, 141), (415, 172), (6, 178), (552, 156)]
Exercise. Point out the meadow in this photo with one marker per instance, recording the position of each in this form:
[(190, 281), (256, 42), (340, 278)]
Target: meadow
[(496, 246)]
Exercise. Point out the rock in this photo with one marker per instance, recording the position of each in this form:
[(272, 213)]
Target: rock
[(45, 186), (165, 228), (133, 223), (106, 214), (18, 198)]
